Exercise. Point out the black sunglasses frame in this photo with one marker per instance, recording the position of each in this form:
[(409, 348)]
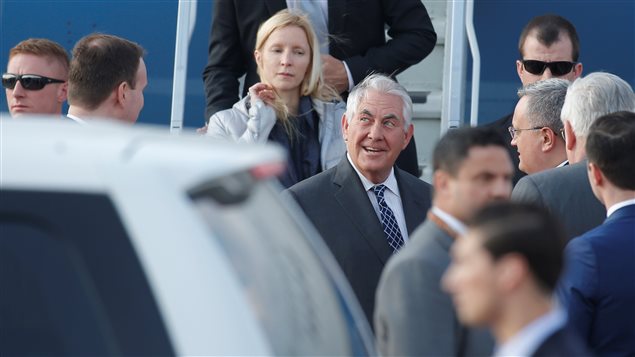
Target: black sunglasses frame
[(28, 81), (557, 68)]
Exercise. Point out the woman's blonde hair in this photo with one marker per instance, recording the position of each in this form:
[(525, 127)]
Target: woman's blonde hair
[(313, 83)]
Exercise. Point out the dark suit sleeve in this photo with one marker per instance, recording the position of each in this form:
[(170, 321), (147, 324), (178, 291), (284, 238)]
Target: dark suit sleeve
[(526, 191), (412, 39), (577, 288), (225, 62)]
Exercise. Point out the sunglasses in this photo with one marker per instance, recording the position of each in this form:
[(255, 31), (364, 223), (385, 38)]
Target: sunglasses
[(558, 68), (28, 81)]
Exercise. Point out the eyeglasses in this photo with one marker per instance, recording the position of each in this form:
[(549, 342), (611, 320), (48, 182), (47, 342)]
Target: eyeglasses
[(558, 68), (513, 131), (28, 81)]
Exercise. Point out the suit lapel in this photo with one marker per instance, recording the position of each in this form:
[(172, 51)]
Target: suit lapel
[(350, 194), (414, 207), (275, 5)]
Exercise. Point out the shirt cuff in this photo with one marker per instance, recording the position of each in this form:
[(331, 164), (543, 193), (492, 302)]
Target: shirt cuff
[(350, 77)]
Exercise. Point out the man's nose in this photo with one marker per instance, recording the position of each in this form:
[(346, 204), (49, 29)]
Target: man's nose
[(502, 188), (18, 90), (376, 131), (546, 74)]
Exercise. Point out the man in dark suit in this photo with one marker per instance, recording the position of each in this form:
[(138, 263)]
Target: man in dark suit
[(503, 274), (413, 317), (549, 48), (356, 48), (598, 287), (566, 191), (365, 208)]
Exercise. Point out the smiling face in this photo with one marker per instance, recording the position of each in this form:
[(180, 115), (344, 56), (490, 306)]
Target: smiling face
[(284, 59), (47, 100), (376, 134)]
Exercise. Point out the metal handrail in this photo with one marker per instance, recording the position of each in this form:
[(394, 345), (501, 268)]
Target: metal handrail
[(184, 28), (476, 61)]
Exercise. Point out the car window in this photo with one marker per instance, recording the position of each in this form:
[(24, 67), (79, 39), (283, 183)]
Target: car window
[(71, 283), (300, 308)]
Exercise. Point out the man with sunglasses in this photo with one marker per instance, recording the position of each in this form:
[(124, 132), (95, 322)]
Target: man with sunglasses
[(35, 81), (536, 129), (107, 78), (549, 48)]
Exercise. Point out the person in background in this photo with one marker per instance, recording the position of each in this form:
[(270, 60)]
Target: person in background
[(106, 80), (598, 287), (352, 41), (536, 130), (291, 105), (549, 48), (413, 316), (566, 191), (365, 208), (35, 81), (503, 274)]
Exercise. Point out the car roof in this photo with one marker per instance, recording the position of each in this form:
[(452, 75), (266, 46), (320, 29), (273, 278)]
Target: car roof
[(57, 153)]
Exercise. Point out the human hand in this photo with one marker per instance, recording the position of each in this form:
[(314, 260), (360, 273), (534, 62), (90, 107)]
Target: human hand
[(334, 73), (263, 92)]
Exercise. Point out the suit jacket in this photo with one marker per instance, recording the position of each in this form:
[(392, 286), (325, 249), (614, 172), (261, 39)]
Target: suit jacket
[(338, 206), (562, 342), (413, 316), (598, 287), (501, 126), (357, 27), (567, 193)]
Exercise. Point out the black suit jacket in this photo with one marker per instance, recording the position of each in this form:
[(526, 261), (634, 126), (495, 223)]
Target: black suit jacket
[(338, 206), (563, 342), (357, 28)]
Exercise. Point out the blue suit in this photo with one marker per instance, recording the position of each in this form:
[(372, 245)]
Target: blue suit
[(598, 287)]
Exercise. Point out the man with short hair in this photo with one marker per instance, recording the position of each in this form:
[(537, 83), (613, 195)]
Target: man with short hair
[(536, 130), (413, 317), (598, 287), (365, 207), (503, 274), (107, 78), (35, 82), (549, 48), (566, 191)]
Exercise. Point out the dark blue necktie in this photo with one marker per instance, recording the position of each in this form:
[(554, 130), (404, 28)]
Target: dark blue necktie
[(388, 220)]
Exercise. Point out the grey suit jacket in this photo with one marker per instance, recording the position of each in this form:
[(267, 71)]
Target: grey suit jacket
[(338, 206), (567, 193), (413, 316)]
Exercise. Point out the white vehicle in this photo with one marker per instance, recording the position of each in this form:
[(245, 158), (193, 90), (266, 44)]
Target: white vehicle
[(129, 241)]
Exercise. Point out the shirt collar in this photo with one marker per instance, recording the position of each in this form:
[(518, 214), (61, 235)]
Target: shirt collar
[(619, 205), (529, 338), (450, 220), (390, 183), (564, 163), (75, 118)]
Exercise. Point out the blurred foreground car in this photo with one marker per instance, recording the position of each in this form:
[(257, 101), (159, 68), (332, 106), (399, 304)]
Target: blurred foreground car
[(130, 241)]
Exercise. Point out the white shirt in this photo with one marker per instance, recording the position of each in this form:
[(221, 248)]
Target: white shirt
[(565, 162), (77, 119), (619, 205), (527, 340), (391, 195), (452, 222)]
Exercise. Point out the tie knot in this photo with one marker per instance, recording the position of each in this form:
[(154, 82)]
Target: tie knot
[(379, 190)]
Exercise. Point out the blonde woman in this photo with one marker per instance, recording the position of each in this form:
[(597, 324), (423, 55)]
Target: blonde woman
[(290, 105)]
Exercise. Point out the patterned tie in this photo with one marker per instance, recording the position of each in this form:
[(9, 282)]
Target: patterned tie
[(388, 220)]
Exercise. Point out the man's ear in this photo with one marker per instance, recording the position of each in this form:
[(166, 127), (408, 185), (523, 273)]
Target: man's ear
[(408, 134), (345, 127), (569, 135), (122, 92), (595, 175), (519, 69), (548, 138), (62, 92)]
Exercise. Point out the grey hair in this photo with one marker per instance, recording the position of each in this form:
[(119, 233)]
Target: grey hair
[(382, 84), (593, 96), (544, 102)]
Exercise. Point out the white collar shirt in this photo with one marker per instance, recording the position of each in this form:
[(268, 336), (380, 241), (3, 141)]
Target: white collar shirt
[(619, 205), (450, 220), (391, 195)]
